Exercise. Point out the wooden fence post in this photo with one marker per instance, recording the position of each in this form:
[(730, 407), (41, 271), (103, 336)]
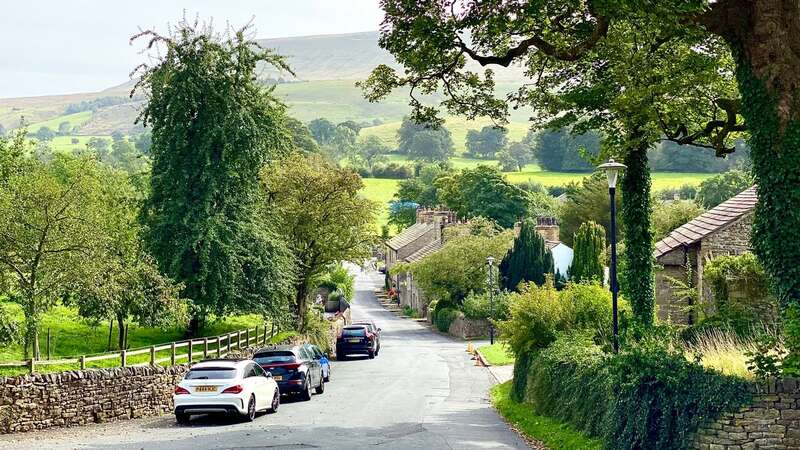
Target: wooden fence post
[(265, 335), (190, 351), (83, 363), (256, 336), (31, 366), (152, 355), (172, 356), (247, 337), (124, 357), (48, 344), (218, 345), (205, 348), (229, 341)]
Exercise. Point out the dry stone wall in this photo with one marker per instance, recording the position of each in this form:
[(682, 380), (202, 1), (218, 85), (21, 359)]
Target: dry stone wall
[(772, 421), (65, 399)]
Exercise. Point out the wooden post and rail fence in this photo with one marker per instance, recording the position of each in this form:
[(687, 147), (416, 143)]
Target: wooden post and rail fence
[(172, 352)]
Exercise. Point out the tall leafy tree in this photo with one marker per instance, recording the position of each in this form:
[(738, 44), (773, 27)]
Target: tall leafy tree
[(528, 260), (50, 217), (586, 202), (483, 192), (486, 142), (123, 282), (301, 136), (516, 156), (320, 215), (561, 151), (371, 151), (214, 127), (589, 244), (424, 141), (719, 188)]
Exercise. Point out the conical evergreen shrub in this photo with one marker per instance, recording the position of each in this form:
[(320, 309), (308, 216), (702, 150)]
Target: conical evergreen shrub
[(527, 260), (587, 261)]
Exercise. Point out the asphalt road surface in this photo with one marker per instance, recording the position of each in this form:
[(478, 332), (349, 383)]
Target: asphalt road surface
[(421, 392)]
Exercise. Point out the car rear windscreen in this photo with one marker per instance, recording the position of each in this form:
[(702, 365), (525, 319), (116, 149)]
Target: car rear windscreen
[(211, 373), (353, 332), (274, 357)]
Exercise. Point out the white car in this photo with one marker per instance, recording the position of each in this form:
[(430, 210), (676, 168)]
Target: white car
[(226, 386)]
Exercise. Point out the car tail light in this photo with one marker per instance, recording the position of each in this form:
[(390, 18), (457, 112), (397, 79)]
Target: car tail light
[(235, 389), (180, 391)]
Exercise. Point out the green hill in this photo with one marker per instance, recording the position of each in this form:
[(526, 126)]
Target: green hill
[(326, 68)]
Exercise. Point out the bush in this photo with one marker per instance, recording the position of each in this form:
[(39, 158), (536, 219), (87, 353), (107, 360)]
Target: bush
[(392, 171), (444, 318), (645, 397), (478, 306), (538, 314), (337, 278)]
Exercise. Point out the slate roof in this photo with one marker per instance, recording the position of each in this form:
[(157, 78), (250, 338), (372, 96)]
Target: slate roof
[(551, 244), (709, 222), (409, 235), (428, 249)]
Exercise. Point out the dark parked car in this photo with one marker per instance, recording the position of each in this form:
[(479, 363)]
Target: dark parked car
[(372, 329), (356, 339), (322, 357), (294, 368)]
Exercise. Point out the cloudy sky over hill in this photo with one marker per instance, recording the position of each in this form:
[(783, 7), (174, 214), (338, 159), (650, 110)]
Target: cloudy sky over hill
[(57, 47)]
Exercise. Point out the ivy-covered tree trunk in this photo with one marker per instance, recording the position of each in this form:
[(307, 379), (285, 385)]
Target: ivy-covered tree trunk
[(638, 273), (764, 36)]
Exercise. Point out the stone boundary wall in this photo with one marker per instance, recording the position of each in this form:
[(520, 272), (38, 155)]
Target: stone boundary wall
[(467, 328), (65, 399), (772, 421)]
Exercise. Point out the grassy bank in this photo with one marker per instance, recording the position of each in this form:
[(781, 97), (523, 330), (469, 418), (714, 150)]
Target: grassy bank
[(552, 433), (73, 336), (497, 354)]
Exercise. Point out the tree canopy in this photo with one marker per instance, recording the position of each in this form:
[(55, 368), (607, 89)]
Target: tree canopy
[(320, 215), (483, 192), (203, 223)]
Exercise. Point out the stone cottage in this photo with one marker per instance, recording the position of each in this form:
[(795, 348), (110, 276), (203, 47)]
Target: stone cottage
[(413, 244), (722, 230)]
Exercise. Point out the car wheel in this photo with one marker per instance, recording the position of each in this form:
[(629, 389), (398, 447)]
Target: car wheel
[(321, 388), (371, 354), (276, 402), (250, 415), (182, 418), (306, 394)]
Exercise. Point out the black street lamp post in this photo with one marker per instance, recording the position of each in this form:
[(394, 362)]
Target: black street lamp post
[(490, 267), (613, 169)]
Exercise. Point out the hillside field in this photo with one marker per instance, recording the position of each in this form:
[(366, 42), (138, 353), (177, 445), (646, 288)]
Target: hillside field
[(383, 190)]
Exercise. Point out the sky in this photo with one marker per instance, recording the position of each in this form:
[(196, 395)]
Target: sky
[(60, 47)]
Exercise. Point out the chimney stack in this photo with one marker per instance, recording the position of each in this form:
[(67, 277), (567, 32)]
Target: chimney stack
[(547, 227)]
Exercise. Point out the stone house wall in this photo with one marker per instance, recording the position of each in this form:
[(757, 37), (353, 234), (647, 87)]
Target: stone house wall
[(733, 239), (33, 402), (772, 421)]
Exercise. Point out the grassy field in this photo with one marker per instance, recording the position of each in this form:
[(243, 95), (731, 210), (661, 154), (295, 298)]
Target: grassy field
[(63, 144), (497, 354), (73, 336), (76, 119), (458, 126), (383, 190), (550, 432)]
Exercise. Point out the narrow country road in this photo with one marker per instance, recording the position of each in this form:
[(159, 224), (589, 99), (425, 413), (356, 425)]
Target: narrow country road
[(421, 392)]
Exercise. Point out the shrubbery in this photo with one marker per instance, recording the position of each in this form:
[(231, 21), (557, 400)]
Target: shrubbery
[(444, 317), (479, 306), (538, 314), (646, 397)]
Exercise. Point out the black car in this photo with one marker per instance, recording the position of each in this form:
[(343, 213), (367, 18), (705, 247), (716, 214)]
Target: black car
[(372, 329), (294, 368), (356, 339)]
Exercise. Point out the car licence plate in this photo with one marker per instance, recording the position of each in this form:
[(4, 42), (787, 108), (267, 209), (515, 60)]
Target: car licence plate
[(277, 377), (355, 341), (205, 389)]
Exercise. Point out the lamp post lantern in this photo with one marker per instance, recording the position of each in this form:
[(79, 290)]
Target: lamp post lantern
[(612, 169), (490, 267)]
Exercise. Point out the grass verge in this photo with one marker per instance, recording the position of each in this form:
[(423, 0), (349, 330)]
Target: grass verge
[(497, 354), (550, 432)]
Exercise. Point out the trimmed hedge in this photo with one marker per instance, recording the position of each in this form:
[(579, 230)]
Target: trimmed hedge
[(647, 397), (444, 318)]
